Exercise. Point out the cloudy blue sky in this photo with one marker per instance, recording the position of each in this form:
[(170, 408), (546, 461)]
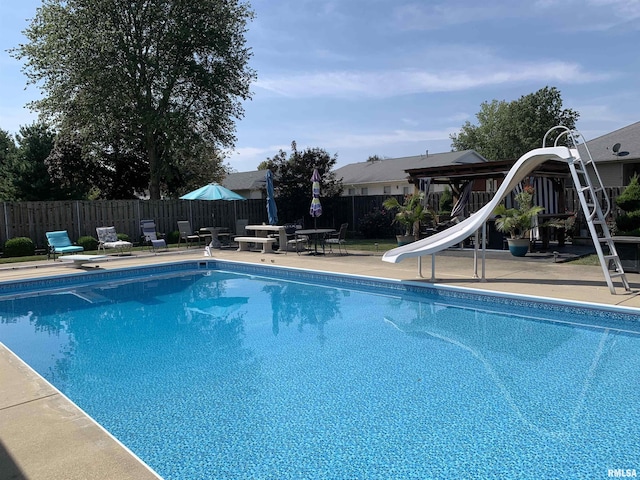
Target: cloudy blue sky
[(396, 78)]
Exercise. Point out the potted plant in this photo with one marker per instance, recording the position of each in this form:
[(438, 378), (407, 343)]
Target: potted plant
[(410, 213), (517, 222)]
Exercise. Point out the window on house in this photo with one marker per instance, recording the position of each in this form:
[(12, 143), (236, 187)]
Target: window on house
[(352, 191), (364, 191), (491, 185), (405, 190), (387, 190)]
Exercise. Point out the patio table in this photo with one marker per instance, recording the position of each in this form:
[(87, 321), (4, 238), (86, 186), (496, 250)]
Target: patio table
[(315, 233)]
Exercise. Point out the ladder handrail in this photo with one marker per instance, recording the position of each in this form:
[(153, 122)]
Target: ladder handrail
[(572, 137)]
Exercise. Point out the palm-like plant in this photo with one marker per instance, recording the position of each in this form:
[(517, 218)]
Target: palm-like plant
[(409, 213), (517, 221)]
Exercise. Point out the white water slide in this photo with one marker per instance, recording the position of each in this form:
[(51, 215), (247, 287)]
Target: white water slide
[(459, 232)]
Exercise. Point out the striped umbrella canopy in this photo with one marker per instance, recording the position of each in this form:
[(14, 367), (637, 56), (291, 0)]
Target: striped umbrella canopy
[(316, 208), (272, 209)]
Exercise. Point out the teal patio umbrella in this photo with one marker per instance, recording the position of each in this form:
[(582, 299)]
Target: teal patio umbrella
[(213, 191)]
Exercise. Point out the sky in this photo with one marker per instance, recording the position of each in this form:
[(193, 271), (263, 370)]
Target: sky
[(396, 78)]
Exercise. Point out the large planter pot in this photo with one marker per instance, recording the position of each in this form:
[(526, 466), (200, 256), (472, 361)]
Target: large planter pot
[(518, 246), (405, 239)]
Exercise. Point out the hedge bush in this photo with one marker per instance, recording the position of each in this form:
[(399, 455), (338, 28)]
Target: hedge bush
[(173, 237), (88, 243), (19, 247), (376, 224)]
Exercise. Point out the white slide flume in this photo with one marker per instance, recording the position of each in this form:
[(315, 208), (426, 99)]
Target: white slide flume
[(459, 232)]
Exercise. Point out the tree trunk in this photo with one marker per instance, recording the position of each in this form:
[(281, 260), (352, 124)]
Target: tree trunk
[(154, 167)]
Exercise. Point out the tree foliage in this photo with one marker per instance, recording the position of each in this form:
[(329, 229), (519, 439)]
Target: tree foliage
[(293, 187), (155, 83), (8, 153), (507, 130)]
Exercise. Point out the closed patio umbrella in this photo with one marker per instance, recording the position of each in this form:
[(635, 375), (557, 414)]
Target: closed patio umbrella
[(272, 209), (316, 207)]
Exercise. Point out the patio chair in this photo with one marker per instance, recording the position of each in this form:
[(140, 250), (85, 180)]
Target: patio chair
[(338, 239), (60, 243), (292, 239), (187, 235), (150, 236), (108, 238)]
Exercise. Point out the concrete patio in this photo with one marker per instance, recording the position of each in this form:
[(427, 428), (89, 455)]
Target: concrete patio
[(44, 436)]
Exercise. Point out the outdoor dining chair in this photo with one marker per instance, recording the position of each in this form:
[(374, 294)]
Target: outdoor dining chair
[(339, 239)]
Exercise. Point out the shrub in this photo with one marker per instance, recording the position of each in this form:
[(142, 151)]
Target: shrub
[(172, 237), (629, 199), (376, 224), (446, 202), (19, 247), (628, 223), (124, 237), (88, 243)]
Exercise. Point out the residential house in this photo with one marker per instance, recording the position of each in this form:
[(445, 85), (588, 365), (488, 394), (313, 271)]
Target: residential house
[(250, 185), (389, 176), (617, 155)]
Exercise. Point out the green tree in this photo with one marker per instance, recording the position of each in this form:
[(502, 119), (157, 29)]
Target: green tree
[(8, 152), (507, 130), (162, 78), (31, 180), (293, 187)]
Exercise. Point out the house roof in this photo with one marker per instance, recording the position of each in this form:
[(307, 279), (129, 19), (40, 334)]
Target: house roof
[(394, 169), (254, 180), (602, 148)]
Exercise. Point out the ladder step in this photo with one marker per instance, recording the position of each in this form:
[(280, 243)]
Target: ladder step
[(616, 274)]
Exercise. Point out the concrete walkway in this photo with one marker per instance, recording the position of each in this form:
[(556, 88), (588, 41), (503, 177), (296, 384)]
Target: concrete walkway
[(45, 436)]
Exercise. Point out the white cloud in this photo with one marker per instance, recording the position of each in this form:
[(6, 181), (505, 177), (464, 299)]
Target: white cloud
[(385, 84)]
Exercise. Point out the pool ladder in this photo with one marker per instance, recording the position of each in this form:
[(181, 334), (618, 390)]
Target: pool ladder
[(588, 184)]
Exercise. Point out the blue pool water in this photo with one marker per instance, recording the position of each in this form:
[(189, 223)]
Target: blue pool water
[(225, 374)]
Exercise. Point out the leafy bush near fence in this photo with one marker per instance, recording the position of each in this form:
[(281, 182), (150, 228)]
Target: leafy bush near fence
[(88, 243), (173, 237), (376, 224), (124, 237), (19, 247)]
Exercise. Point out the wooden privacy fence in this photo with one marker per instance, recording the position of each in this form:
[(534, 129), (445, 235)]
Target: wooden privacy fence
[(80, 218)]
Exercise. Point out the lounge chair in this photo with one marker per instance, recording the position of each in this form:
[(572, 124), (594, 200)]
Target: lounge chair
[(150, 236), (338, 239), (108, 238), (60, 243), (187, 235)]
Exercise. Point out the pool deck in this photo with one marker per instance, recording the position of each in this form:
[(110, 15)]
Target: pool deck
[(44, 436)]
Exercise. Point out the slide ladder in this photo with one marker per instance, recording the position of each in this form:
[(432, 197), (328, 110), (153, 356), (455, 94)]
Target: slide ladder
[(588, 184)]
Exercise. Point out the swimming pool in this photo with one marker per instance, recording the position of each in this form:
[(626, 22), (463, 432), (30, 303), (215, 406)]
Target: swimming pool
[(216, 370)]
